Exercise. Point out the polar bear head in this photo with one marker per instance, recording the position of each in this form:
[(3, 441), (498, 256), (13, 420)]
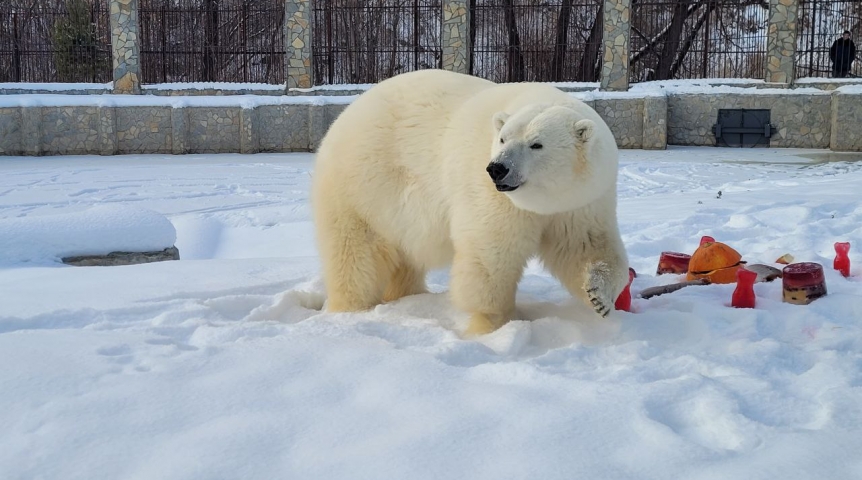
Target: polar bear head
[(550, 159)]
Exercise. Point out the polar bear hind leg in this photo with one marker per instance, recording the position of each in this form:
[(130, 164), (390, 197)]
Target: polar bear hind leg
[(356, 262), (406, 279), (360, 268)]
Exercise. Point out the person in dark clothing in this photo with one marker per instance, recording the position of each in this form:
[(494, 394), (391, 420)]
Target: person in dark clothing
[(842, 54)]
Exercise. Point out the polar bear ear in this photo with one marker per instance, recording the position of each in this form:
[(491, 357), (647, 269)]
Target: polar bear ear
[(500, 120), (584, 130)]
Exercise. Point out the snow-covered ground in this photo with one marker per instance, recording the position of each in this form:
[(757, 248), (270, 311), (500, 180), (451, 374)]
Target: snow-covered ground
[(220, 366)]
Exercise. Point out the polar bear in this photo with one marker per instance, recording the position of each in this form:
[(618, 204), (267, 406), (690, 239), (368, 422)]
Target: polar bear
[(431, 169)]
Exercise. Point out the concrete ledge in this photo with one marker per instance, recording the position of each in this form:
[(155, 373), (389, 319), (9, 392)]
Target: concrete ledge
[(114, 259)]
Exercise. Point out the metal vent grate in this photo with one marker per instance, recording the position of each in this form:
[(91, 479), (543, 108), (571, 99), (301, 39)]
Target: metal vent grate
[(743, 128)]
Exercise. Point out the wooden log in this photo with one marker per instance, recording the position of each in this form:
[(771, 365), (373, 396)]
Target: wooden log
[(662, 289)]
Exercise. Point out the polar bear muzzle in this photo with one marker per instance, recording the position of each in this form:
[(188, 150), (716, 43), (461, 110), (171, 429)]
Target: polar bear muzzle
[(501, 175)]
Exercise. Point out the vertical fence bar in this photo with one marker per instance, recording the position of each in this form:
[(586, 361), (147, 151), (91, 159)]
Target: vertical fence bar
[(243, 24), (16, 47), (416, 41), (164, 38), (706, 37), (330, 57), (813, 4)]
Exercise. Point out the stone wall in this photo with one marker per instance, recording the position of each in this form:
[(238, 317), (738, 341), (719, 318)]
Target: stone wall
[(163, 129), (625, 118), (136, 129), (802, 120), (810, 119), (846, 135), (637, 121), (655, 123), (143, 130), (10, 131)]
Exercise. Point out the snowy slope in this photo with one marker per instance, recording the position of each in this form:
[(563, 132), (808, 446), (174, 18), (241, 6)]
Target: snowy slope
[(220, 366)]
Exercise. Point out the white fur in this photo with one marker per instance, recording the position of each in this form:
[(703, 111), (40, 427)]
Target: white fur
[(400, 187)]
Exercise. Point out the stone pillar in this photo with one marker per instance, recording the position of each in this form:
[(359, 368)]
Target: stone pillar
[(456, 36), (781, 41), (615, 39), (297, 39), (124, 40)]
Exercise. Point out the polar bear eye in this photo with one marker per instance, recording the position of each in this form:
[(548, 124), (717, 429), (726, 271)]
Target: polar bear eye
[(536, 146), (501, 140)]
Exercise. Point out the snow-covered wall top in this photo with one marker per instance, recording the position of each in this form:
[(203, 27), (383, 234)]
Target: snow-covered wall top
[(109, 100), (213, 86)]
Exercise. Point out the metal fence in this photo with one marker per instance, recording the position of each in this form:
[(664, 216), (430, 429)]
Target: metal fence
[(212, 41), (366, 41), (536, 40), (680, 39), (55, 41), (821, 23)]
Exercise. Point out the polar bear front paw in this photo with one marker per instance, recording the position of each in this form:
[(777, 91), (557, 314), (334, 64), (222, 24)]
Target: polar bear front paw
[(599, 288)]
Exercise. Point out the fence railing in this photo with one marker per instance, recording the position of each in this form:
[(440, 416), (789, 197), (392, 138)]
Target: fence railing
[(212, 40), (366, 41), (536, 40), (821, 23), (55, 41), (682, 39)]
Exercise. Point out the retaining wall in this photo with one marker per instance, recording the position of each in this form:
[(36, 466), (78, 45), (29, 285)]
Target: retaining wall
[(802, 120), (171, 128), (134, 124)]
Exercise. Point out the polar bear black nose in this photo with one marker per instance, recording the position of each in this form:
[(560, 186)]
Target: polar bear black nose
[(498, 171)]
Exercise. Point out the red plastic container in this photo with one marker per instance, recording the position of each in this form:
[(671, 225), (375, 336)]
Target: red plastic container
[(624, 301), (803, 283), (743, 296), (842, 260), (673, 262)]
